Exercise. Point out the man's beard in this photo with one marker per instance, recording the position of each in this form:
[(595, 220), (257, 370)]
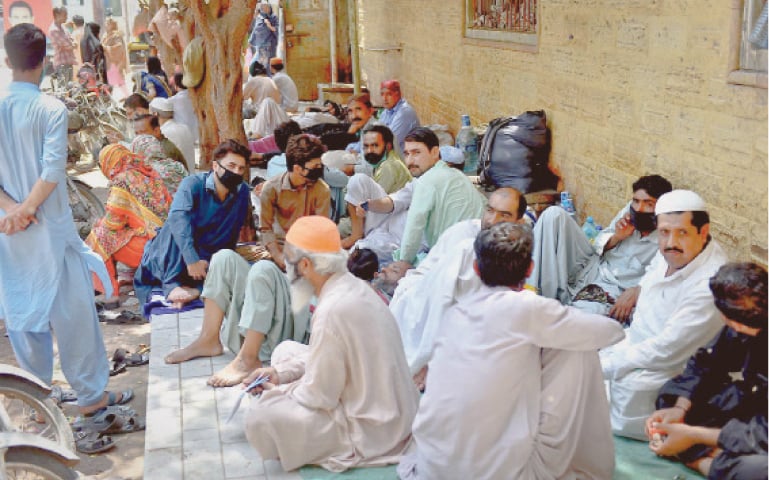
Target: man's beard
[(302, 291)]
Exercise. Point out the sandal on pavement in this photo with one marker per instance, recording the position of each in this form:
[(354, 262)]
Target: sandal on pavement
[(103, 419), (121, 318), (92, 442)]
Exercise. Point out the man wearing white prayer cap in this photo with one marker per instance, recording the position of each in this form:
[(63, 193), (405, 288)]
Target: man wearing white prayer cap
[(179, 134), (674, 314)]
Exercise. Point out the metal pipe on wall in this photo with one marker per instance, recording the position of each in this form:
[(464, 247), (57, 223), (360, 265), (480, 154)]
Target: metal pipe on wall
[(352, 8), (332, 39)]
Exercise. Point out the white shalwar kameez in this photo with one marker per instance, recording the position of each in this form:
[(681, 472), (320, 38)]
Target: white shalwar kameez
[(565, 262), (382, 231), (674, 316), (498, 406), (424, 295), (346, 399)]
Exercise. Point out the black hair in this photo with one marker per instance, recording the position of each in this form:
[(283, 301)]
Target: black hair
[(154, 66), (257, 181), (284, 131), (363, 98), (136, 100), (179, 80), (301, 149), (739, 292), (654, 185), (94, 28), (423, 135), (256, 68), (231, 146), (278, 67), (363, 263), (25, 46), (503, 254), (384, 131), (78, 20), (700, 219)]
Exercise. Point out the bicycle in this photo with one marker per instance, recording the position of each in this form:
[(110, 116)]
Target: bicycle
[(36, 440)]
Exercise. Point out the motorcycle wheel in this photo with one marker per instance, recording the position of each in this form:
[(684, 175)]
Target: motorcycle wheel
[(36, 463), (32, 411), (86, 207)]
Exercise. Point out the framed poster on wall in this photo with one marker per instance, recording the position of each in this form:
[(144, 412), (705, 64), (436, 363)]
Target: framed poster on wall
[(513, 21)]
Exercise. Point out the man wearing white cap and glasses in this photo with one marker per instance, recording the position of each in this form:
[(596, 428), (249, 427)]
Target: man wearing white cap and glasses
[(674, 315), (179, 134)]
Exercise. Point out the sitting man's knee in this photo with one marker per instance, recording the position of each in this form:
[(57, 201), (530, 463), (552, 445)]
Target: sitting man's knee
[(224, 257)]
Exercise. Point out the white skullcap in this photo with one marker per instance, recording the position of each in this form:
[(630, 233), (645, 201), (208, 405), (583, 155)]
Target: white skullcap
[(159, 104), (451, 154), (680, 201), (338, 159)]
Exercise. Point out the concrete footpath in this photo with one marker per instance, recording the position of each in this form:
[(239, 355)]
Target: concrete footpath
[(187, 436)]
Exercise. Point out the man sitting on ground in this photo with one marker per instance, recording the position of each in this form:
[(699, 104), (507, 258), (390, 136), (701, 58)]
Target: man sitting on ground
[(390, 175), (260, 86), (206, 215), (184, 112), (289, 95), (252, 303), (601, 278), (713, 416), (175, 132), (349, 392), (361, 114), (447, 273), (299, 192), (674, 314), (149, 124), (398, 115), (494, 344), (442, 196)]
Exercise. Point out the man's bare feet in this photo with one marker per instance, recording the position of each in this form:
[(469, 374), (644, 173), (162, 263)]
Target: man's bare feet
[(181, 296), (196, 349), (233, 373)]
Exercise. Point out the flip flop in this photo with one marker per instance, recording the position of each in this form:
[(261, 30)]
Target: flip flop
[(60, 395), (91, 443), (137, 359), (125, 397), (117, 367), (123, 422)]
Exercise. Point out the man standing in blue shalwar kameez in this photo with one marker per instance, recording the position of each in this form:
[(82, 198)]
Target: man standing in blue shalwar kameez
[(206, 216), (45, 283)]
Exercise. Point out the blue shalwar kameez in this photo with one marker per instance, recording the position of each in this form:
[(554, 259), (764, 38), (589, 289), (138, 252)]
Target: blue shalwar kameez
[(198, 225), (45, 283)]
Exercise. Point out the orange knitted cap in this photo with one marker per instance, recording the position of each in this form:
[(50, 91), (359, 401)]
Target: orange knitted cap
[(315, 234)]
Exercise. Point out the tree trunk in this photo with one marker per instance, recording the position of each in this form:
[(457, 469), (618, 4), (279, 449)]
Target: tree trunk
[(218, 100)]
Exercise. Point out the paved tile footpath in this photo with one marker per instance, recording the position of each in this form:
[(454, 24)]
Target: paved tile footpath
[(187, 437)]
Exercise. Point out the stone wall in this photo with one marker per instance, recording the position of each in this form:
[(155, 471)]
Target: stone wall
[(631, 87)]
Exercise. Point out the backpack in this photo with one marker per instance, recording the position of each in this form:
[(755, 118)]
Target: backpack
[(515, 152)]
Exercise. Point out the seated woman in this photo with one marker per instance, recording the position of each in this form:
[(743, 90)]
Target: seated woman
[(137, 205), (151, 150)]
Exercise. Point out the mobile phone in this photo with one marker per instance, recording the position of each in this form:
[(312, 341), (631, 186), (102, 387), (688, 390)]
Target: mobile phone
[(364, 206)]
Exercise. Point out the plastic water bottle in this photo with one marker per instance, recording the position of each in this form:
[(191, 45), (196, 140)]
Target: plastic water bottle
[(567, 204), (467, 142), (590, 229)]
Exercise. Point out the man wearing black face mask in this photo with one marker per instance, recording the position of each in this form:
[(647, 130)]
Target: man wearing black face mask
[(390, 175), (599, 278), (206, 216), (297, 193)]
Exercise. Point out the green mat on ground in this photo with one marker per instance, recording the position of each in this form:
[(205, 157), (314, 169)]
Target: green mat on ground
[(634, 461), (373, 473)]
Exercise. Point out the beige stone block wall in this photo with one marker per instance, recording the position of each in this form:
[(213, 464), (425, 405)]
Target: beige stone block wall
[(630, 87)]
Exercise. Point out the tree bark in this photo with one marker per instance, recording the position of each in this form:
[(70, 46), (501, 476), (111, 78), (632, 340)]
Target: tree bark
[(218, 100)]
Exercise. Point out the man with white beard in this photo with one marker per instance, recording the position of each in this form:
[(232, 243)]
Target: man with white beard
[(346, 399)]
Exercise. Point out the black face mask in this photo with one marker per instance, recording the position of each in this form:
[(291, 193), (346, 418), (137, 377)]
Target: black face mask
[(643, 221), (314, 174), (373, 158), (230, 179)]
